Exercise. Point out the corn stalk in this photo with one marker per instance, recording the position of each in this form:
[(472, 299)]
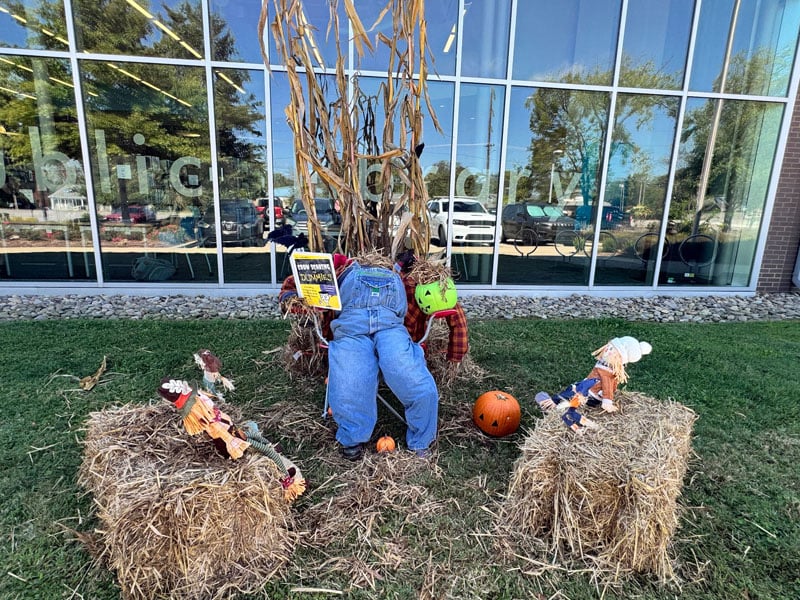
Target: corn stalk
[(331, 137)]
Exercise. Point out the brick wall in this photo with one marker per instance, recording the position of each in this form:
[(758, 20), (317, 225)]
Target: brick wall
[(783, 238)]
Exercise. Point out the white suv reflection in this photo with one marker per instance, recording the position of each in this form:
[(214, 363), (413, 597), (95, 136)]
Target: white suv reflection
[(472, 223)]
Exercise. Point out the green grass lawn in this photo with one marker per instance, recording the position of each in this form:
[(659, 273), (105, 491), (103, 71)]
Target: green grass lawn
[(739, 537)]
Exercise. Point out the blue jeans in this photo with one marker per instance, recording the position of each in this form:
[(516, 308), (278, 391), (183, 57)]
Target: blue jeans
[(369, 336)]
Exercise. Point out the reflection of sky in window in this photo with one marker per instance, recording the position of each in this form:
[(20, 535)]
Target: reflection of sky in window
[(24, 31), (441, 17), (475, 141), (243, 24), (554, 38), (485, 45), (770, 24), (241, 17), (658, 32), (519, 130)]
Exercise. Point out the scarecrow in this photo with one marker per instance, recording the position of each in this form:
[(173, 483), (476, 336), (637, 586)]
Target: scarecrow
[(610, 369), (200, 414), (377, 330)]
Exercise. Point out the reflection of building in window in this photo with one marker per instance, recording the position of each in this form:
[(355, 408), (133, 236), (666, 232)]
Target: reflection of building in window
[(69, 197)]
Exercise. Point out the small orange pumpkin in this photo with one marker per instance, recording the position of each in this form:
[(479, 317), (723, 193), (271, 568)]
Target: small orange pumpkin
[(496, 413), (385, 444)]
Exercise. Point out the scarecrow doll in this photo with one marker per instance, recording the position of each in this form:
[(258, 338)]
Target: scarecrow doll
[(200, 414), (610, 369)]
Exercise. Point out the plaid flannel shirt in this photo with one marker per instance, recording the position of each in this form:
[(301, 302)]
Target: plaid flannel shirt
[(416, 321)]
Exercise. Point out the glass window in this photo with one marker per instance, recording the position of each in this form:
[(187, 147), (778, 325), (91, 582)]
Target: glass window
[(241, 151), (535, 211), (471, 227), (554, 156), (44, 216), (571, 40), (636, 189), (33, 24), (286, 182), (148, 130), (442, 30), (320, 44), (235, 37), (750, 46), (485, 41), (169, 28), (720, 191), (656, 44)]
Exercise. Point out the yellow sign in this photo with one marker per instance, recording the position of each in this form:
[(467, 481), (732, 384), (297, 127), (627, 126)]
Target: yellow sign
[(315, 279)]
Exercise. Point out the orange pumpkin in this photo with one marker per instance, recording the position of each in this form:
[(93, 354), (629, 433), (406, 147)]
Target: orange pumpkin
[(496, 413), (385, 444)]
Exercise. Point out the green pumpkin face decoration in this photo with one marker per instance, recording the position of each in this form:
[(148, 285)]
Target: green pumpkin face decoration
[(433, 297)]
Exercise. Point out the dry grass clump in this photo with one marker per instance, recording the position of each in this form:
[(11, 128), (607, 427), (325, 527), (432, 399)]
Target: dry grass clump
[(366, 527), (446, 374), (374, 258), (177, 520), (607, 498), (430, 271), (302, 356)]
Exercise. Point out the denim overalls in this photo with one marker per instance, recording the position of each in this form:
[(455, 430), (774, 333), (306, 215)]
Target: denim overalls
[(369, 335)]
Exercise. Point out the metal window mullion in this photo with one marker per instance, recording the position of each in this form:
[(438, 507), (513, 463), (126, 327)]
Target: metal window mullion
[(83, 134), (212, 140), (612, 112), (507, 86), (149, 60), (454, 138), (273, 259)]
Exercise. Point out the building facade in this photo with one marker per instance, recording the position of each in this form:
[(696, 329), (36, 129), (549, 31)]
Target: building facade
[(614, 147)]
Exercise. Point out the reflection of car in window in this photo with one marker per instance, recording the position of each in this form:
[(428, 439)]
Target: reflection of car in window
[(545, 220), (280, 205), (136, 214), (329, 218), (241, 224), (472, 223)]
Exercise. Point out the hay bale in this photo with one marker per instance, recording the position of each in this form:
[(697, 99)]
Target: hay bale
[(609, 497), (178, 520)]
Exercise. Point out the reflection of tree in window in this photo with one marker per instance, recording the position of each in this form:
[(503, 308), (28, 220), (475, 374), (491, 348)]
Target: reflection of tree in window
[(574, 122), (738, 147), (136, 27), (38, 115), (240, 134)]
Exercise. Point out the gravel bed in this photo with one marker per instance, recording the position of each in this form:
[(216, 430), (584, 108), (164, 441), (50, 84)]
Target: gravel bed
[(766, 307)]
